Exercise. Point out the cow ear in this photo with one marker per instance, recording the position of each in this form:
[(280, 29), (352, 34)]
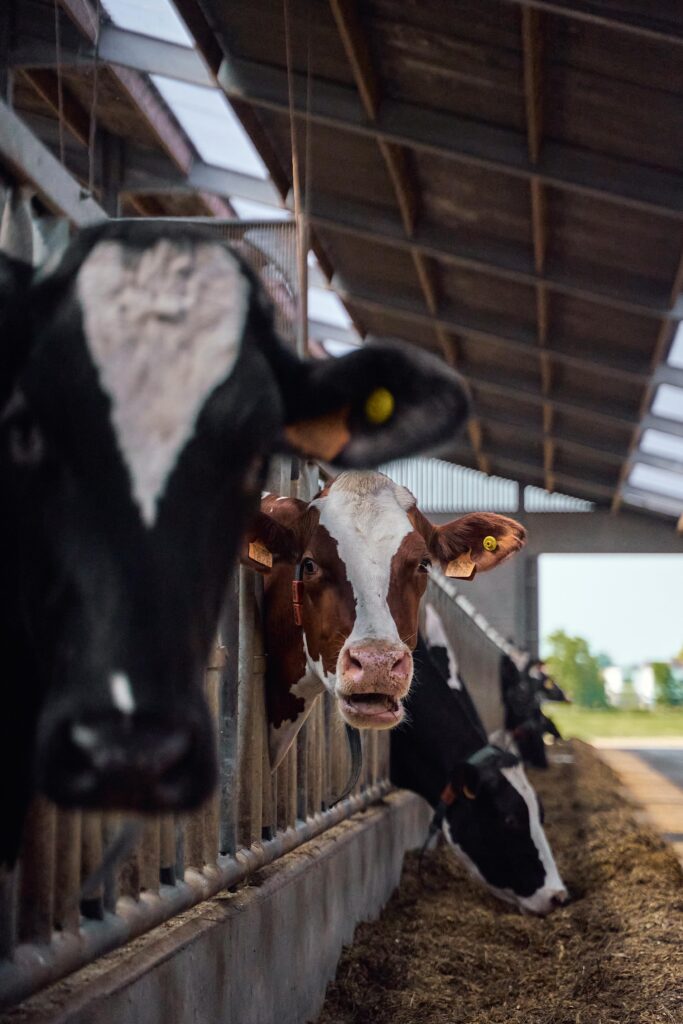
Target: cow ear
[(267, 539), (479, 541), (378, 403)]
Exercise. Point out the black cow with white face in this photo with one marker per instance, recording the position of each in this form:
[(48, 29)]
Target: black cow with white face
[(142, 391), (492, 816)]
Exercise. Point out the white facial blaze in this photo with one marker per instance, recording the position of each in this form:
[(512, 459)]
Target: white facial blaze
[(435, 635), (368, 524), (540, 901), (164, 327), (121, 693)]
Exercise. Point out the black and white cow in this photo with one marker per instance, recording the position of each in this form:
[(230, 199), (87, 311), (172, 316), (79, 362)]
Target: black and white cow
[(142, 391), (523, 691), (492, 818)]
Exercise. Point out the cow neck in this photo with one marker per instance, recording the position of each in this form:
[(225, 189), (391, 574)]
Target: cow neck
[(291, 687)]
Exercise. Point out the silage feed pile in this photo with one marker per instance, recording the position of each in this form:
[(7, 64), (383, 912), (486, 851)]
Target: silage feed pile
[(447, 953)]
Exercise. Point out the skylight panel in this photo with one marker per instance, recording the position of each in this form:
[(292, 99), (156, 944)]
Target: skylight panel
[(657, 442), (156, 18), (337, 348), (660, 481), (676, 353), (247, 209), (327, 308), (212, 126), (669, 402)]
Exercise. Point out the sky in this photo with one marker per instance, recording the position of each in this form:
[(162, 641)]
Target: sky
[(629, 606)]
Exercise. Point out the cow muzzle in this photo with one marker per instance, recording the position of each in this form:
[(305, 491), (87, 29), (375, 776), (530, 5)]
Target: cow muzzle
[(140, 762), (373, 677)]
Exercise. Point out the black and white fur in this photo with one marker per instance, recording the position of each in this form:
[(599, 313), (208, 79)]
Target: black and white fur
[(494, 825)]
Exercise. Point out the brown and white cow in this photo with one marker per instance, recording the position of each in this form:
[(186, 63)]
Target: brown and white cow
[(363, 551)]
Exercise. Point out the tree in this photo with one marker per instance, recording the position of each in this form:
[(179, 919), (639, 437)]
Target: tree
[(576, 669), (668, 689)]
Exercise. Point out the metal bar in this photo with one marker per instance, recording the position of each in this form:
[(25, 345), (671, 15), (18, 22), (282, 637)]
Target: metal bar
[(431, 131), (31, 162), (28, 972)]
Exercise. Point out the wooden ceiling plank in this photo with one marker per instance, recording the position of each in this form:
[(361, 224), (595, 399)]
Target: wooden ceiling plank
[(367, 222), (580, 10), (562, 165), (76, 119), (413, 311)]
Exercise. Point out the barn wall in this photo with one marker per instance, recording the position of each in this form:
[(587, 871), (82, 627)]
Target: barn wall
[(263, 954)]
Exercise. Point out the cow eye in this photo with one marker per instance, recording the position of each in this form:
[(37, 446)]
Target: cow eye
[(425, 565), (512, 823), (309, 566), (25, 442)]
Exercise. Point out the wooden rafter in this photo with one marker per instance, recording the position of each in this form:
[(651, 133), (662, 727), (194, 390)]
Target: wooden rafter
[(533, 102), (354, 39)]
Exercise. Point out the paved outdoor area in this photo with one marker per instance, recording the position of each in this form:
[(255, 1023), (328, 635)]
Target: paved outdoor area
[(652, 772)]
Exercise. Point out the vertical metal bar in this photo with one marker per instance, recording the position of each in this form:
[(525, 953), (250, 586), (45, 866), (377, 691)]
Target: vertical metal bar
[(150, 855), (67, 870), (227, 729), (302, 750), (249, 754), (167, 850), (8, 911), (212, 807), (91, 858)]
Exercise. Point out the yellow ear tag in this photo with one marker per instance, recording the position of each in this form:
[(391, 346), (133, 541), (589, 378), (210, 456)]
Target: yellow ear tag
[(490, 543), (379, 405), (462, 567), (259, 553)]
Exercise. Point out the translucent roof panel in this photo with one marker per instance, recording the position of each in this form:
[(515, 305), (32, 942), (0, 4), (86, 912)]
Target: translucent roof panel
[(657, 442), (338, 348), (157, 18), (668, 402), (326, 307), (660, 481), (246, 209), (212, 125), (676, 353)]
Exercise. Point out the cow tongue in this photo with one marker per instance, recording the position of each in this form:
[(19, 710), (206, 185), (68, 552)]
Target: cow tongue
[(369, 704)]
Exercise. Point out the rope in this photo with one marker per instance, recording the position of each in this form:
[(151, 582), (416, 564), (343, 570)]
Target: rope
[(60, 90), (300, 213), (92, 131)]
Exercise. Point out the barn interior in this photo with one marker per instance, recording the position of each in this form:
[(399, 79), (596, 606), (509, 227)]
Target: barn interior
[(498, 182)]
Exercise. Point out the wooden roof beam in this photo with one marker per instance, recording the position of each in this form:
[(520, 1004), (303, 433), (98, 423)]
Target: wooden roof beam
[(354, 39), (611, 16), (472, 326), (457, 138), (370, 223)]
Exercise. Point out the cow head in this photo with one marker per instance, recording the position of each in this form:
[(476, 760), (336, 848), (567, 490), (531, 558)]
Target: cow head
[(142, 390), (363, 552), (495, 826), (492, 817)]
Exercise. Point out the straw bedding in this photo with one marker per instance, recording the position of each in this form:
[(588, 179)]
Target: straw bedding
[(448, 953)]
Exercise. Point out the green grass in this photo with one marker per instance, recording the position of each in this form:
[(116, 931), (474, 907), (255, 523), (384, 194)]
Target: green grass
[(585, 723)]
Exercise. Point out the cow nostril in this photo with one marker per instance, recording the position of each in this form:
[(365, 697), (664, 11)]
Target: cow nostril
[(352, 666), (559, 899), (402, 666)]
